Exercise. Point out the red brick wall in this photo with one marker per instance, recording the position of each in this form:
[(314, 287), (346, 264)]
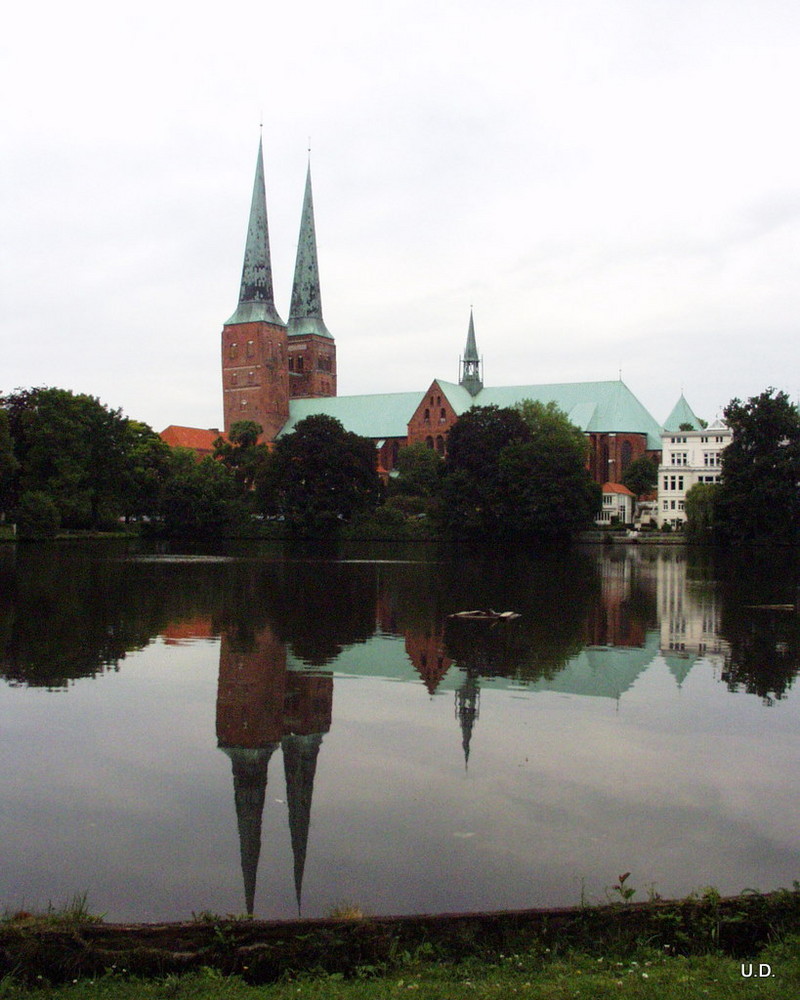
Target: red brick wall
[(432, 419), (311, 366), (250, 692), (255, 385)]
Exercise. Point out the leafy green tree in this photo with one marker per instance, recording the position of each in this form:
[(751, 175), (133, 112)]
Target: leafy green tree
[(419, 469), (701, 503), (517, 471), (242, 454), (147, 468), (8, 463), (36, 516), (199, 498), (641, 476), (319, 476), (71, 447), (759, 496), (471, 490)]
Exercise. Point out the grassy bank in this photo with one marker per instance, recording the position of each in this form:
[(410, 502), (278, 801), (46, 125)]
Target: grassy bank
[(690, 948), (646, 973)]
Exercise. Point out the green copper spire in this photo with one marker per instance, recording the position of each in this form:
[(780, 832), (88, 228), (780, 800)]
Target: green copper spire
[(470, 363), (256, 298), (300, 765), (305, 312), (249, 790)]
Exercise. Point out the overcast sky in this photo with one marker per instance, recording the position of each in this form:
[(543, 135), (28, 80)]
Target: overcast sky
[(613, 186)]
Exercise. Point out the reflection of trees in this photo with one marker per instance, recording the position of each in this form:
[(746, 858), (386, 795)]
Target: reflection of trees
[(68, 613), (551, 591), (764, 642)]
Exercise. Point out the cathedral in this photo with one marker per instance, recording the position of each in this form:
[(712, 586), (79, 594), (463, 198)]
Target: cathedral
[(277, 373)]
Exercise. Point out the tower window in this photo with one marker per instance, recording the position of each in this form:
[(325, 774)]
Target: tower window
[(232, 351), (251, 350), (299, 362)]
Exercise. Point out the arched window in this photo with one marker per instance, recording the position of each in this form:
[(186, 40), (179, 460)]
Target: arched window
[(442, 415), (429, 442), (426, 416), (440, 444), (395, 453)]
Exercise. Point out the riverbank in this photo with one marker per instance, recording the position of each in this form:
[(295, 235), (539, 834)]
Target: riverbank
[(73, 947)]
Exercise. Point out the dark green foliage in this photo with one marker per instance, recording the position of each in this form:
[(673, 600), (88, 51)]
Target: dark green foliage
[(147, 466), (512, 472), (241, 453), (700, 511), (36, 516), (420, 471), (641, 476), (199, 497), (8, 463), (72, 448), (759, 498), (318, 477)]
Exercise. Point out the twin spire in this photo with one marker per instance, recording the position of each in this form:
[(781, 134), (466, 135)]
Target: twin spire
[(256, 295)]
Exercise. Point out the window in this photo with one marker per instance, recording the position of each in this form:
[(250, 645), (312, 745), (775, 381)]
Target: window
[(681, 505), (666, 505), (426, 416), (439, 444), (429, 442), (680, 458), (299, 365), (442, 416), (627, 452), (251, 348), (233, 351), (234, 378), (291, 364), (666, 483)]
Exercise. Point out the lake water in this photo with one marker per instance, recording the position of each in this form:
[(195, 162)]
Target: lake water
[(284, 729)]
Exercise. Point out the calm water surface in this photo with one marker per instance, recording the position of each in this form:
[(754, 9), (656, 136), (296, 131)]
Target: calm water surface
[(276, 729)]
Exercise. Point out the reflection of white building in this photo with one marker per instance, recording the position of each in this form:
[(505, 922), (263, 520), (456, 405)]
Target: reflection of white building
[(688, 612), (688, 456)]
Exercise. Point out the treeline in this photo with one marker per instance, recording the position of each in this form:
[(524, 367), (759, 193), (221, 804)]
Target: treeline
[(67, 461)]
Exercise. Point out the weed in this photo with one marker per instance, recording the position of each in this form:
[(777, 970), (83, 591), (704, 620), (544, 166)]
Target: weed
[(625, 892)]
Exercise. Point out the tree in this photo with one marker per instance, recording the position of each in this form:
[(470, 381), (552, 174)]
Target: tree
[(72, 448), (419, 469), (199, 498), (759, 496), (641, 476), (471, 489), (518, 471), (242, 454), (701, 501), (8, 463), (319, 476), (148, 462)]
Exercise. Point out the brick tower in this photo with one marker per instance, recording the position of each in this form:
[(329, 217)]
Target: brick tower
[(312, 351), (255, 384)]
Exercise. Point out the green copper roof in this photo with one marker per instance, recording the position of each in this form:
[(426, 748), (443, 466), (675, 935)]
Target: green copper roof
[(682, 413), (595, 407), (471, 350), (383, 415), (256, 298), (305, 311)]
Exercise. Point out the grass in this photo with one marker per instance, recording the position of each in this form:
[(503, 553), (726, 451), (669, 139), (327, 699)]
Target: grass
[(533, 974), (74, 913)]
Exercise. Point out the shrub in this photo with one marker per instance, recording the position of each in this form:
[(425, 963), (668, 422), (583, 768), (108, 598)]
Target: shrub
[(37, 516)]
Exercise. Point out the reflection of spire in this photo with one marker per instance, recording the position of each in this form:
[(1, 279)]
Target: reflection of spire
[(300, 765), (468, 698), (249, 789)]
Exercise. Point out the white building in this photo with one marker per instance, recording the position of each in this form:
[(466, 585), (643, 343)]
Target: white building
[(617, 506), (687, 457)]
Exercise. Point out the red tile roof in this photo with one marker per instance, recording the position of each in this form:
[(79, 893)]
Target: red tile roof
[(616, 488), (197, 438)]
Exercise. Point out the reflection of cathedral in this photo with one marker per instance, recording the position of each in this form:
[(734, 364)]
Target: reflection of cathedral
[(262, 705)]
